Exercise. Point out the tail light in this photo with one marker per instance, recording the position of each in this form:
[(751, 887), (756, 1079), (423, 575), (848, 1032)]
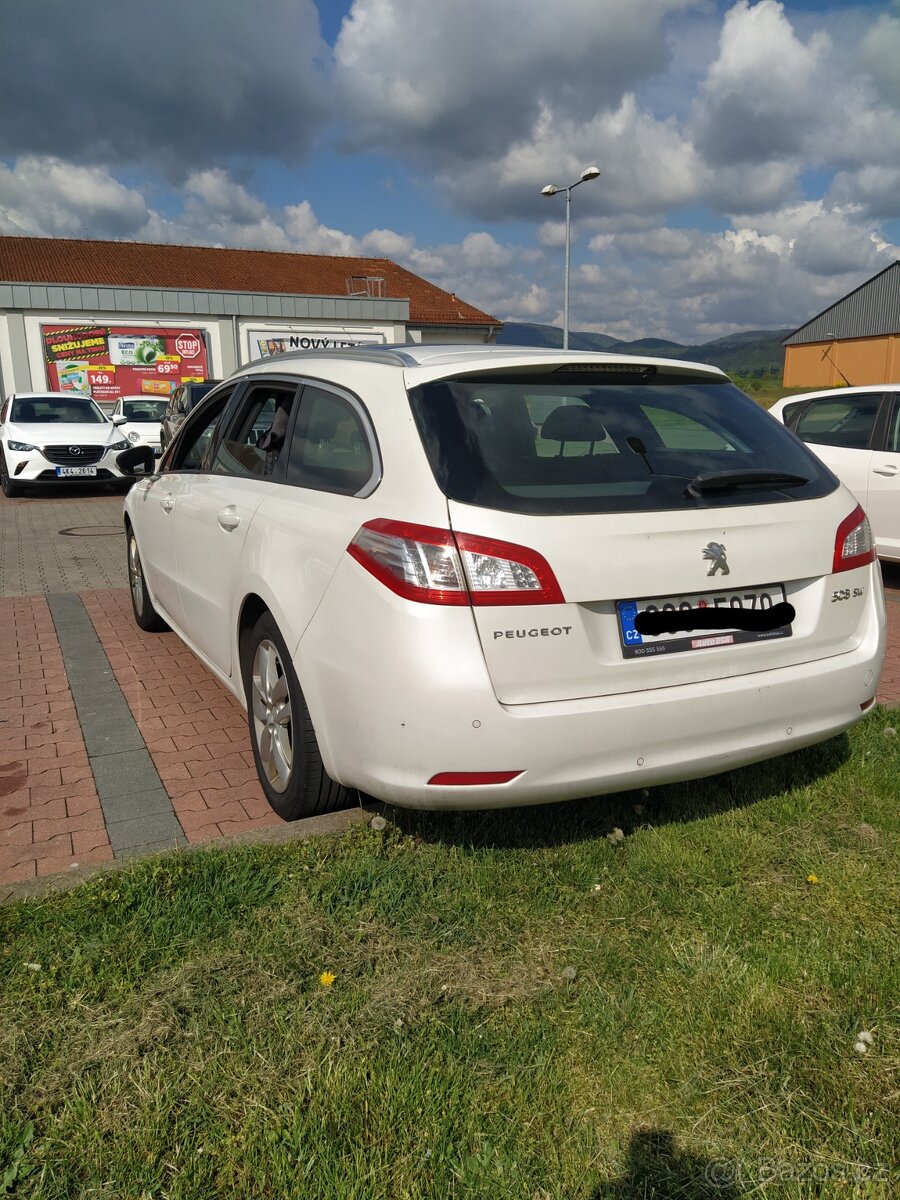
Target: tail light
[(436, 566), (854, 545)]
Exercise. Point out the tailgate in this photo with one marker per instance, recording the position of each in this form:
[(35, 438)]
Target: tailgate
[(538, 653)]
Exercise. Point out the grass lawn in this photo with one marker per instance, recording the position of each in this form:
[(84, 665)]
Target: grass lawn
[(767, 389), (520, 1006)]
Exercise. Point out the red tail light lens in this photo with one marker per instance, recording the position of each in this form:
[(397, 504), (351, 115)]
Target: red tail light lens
[(472, 778), (435, 566), (854, 545)]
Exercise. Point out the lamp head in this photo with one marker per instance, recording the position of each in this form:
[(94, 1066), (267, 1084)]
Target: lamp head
[(550, 190), (590, 173)]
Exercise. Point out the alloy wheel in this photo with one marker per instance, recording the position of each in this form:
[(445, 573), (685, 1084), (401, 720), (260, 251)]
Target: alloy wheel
[(135, 574), (272, 718)]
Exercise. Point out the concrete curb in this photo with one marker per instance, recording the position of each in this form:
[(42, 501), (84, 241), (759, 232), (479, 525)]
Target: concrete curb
[(329, 825), (135, 804)]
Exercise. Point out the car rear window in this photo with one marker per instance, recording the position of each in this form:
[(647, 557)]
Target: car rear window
[(196, 392), (144, 410), (581, 439)]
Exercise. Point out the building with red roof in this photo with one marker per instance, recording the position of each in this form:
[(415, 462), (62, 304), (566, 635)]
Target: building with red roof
[(74, 311)]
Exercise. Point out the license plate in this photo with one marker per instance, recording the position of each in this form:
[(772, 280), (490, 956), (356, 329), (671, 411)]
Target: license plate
[(752, 603), (68, 472)]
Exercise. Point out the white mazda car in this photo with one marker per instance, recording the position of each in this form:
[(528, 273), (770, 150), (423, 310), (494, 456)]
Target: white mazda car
[(473, 576), (856, 432), (48, 437), (141, 419)]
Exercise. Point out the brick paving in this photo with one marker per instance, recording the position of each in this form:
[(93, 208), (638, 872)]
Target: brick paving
[(194, 728), (50, 814)]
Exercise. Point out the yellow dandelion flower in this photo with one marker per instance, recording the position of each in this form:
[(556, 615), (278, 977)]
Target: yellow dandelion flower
[(812, 879), (327, 978)]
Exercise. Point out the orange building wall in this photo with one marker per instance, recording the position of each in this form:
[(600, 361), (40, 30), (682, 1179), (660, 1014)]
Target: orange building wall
[(862, 361)]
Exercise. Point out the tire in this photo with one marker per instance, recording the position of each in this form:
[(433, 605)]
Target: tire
[(144, 613), (284, 743), (9, 487)]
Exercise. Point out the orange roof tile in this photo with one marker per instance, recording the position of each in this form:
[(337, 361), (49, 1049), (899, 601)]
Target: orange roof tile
[(205, 268)]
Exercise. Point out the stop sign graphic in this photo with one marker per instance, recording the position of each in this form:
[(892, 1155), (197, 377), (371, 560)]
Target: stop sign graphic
[(187, 345)]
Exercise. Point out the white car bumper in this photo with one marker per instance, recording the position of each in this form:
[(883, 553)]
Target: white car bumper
[(439, 714), (50, 464)]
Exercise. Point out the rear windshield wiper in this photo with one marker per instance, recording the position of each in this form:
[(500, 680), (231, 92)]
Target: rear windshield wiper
[(726, 481)]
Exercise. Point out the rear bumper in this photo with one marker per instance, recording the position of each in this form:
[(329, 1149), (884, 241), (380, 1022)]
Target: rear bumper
[(411, 708)]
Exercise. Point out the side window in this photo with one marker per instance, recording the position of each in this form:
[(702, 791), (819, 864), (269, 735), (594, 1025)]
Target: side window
[(839, 421), (893, 431), (254, 439), (791, 414), (193, 453), (677, 431), (330, 447)]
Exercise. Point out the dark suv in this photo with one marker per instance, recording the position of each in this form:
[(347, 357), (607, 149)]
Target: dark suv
[(185, 397)]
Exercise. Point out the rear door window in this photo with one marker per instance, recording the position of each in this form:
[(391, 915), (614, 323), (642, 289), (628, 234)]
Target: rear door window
[(893, 429), (606, 440), (838, 420), (253, 442), (331, 448)]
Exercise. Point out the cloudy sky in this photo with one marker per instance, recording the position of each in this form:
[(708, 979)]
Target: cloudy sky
[(750, 151)]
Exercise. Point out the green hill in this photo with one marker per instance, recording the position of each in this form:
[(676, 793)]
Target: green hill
[(524, 334), (753, 352)]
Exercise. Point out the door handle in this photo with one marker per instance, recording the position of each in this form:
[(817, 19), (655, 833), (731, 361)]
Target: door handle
[(228, 518), (168, 504), (888, 469)]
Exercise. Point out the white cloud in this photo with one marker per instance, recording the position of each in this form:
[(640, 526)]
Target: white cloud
[(764, 88), (464, 78), (874, 191), (305, 232), (221, 195), (833, 244), (52, 198), (386, 243), (880, 53), (646, 167)]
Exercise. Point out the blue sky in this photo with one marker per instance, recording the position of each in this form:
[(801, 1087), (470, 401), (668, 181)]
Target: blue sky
[(750, 151)]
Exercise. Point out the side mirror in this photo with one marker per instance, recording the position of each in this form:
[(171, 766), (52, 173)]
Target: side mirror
[(122, 420)]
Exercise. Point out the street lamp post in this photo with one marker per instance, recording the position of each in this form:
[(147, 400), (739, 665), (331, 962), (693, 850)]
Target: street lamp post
[(550, 190)]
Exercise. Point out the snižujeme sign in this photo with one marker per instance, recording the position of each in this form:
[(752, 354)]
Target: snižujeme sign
[(108, 361)]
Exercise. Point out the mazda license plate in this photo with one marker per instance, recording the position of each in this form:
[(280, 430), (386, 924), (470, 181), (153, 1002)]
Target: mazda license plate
[(68, 472)]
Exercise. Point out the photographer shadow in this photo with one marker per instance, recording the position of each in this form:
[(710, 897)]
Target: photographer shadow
[(657, 1170)]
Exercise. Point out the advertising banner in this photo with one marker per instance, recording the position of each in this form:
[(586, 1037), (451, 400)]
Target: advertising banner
[(109, 361), (266, 342)]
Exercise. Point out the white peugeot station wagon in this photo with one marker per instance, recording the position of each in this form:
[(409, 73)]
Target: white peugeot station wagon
[(473, 576)]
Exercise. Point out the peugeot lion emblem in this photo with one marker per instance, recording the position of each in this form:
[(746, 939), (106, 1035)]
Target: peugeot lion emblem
[(714, 554), (74, 449)]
